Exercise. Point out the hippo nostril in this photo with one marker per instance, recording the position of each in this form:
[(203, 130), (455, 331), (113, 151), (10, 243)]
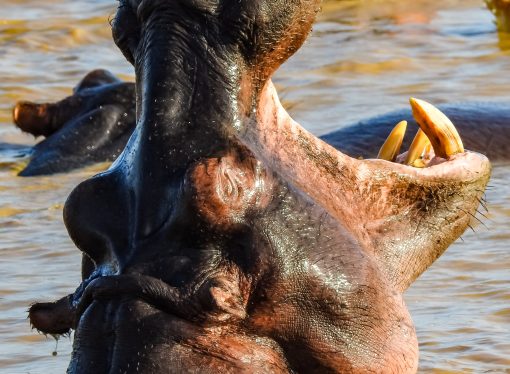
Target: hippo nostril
[(96, 219)]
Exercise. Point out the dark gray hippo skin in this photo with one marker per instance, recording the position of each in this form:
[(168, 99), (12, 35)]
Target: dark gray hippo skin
[(225, 237), (94, 124)]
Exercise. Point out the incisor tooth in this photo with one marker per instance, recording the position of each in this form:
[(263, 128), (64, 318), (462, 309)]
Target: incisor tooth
[(391, 147), (418, 147), (439, 129)]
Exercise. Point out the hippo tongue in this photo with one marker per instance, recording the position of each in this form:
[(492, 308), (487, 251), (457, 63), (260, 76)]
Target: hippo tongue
[(397, 212)]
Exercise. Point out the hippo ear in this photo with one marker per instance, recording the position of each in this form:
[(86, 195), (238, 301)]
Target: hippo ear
[(55, 318), (404, 216), (96, 78), (268, 31)]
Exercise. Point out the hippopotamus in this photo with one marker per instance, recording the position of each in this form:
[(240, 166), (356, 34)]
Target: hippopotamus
[(92, 125), (226, 237)]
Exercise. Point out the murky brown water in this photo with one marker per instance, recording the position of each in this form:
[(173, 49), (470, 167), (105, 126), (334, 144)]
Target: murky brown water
[(364, 58)]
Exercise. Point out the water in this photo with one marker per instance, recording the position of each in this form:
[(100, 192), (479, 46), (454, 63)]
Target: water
[(363, 58)]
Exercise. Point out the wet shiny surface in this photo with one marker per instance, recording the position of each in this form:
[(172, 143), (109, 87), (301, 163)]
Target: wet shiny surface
[(364, 58)]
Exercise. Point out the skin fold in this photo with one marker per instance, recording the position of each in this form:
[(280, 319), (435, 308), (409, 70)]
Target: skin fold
[(225, 237)]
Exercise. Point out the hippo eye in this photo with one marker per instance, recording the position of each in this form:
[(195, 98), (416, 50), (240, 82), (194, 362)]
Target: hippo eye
[(126, 30)]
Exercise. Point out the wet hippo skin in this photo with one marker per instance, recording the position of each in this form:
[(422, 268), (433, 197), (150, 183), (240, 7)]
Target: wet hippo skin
[(225, 237)]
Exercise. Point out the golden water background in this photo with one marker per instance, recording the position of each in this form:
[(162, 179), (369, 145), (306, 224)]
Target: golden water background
[(363, 58)]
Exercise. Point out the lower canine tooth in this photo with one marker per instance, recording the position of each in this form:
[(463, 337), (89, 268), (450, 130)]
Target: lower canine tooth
[(439, 129), (391, 146), (418, 147)]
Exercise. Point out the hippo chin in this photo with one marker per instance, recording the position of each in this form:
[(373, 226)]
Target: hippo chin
[(226, 237)]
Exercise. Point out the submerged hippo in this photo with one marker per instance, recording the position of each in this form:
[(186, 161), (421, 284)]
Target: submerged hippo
[(93, 125), (226, 238)]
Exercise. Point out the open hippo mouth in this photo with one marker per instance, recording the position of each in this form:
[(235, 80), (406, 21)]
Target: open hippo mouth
[(227, 237)]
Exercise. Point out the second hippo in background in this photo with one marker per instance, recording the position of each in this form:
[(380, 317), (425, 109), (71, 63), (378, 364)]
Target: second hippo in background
[(92, 125)]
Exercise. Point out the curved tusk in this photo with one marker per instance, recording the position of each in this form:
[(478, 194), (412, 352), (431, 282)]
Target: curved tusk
[(439, 129), (419, 146), (391, 147)]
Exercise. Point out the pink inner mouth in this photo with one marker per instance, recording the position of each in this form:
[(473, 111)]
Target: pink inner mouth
[(380, 202)]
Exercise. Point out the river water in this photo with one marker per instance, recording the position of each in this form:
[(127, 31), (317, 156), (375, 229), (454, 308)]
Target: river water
[(363, 58)]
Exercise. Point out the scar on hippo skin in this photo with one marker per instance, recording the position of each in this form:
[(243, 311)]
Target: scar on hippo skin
[(93, 125), (227, 188)]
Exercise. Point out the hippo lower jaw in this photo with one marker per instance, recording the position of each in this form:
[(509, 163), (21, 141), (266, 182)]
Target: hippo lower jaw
[(394, 210)]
